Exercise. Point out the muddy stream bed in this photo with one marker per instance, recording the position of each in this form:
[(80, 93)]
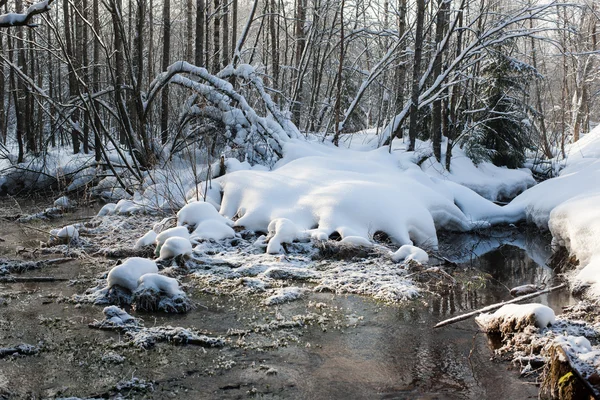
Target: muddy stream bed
[(352, 347)]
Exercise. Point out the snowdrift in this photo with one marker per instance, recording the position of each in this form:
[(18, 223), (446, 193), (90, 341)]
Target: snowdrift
[(321, 189), (569, 205)]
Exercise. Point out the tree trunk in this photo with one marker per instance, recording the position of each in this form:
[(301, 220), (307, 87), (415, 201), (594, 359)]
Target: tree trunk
[(437, 70), (216, 32), (199, 51), (225, 47), (414, 107), (164, 114)]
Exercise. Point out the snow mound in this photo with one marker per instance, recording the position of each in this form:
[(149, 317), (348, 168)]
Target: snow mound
[(146, 240), (194, 213), (63, 202), (127, 274), (179, 231), (175, 246), (408, 252), (213, 229), (322, 189), (159, 283), (512, 318), (68, 232), (160, 293), (107, 209), (127, 207)]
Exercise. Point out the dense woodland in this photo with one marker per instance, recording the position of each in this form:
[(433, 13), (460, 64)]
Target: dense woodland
[(145, 79)]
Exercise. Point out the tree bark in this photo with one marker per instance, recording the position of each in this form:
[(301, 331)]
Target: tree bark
[(164, 114), (414, 107)]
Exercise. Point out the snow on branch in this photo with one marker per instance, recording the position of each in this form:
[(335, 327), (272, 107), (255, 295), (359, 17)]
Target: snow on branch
[(22, 19), (263, 135)]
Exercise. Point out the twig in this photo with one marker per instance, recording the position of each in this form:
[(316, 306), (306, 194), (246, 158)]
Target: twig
[(9, 279), (497, 305)]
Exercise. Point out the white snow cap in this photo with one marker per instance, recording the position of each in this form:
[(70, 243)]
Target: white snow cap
[(159, 283), (179, 231), (542, 315), (196, 212), (69, 232), (175, 246), (146, 240), (127, 274), (408, 252)]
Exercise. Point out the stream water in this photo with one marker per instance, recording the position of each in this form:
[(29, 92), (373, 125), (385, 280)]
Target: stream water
[(366, 350)]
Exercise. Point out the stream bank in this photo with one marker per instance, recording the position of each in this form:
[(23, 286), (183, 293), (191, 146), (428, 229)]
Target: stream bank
[(337, 346)]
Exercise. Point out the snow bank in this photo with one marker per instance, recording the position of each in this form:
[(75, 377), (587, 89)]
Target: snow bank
[(512, 318), (127, 274), (322, 189), (569, 205)]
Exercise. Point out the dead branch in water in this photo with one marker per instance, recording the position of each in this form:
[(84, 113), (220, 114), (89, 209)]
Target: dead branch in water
[(496, 306)]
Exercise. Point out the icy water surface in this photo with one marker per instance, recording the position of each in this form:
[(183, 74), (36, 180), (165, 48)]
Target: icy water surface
[(352, 348)]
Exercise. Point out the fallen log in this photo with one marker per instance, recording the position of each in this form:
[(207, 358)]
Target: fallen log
[(493, 307)]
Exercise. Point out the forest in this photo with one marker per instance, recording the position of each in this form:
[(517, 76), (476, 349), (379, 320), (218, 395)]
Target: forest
[(299, 199), (135, 82)]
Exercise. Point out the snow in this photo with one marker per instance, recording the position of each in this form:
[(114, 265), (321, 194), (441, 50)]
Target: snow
[(356, 241), (515, 317), (284, 295), (282, 230), (117, 316), (213, 229), (179, 231), (159, 283), (408, 252), (63, 202), (107, 209), (321, 189), (148, 239), (193, 214), (569, 205), (175, 246), (68, 232), (127, 274)]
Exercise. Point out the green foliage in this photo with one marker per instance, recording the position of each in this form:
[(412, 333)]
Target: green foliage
[(500, 130)]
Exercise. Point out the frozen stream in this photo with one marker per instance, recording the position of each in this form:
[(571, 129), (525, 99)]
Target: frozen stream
[(355, 348)]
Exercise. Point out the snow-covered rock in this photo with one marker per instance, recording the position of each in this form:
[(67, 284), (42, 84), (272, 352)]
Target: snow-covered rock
[(284, 295), (175, 246), (127, 207), (68, 232), (117, 316), (408, 252), (127, 274)]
